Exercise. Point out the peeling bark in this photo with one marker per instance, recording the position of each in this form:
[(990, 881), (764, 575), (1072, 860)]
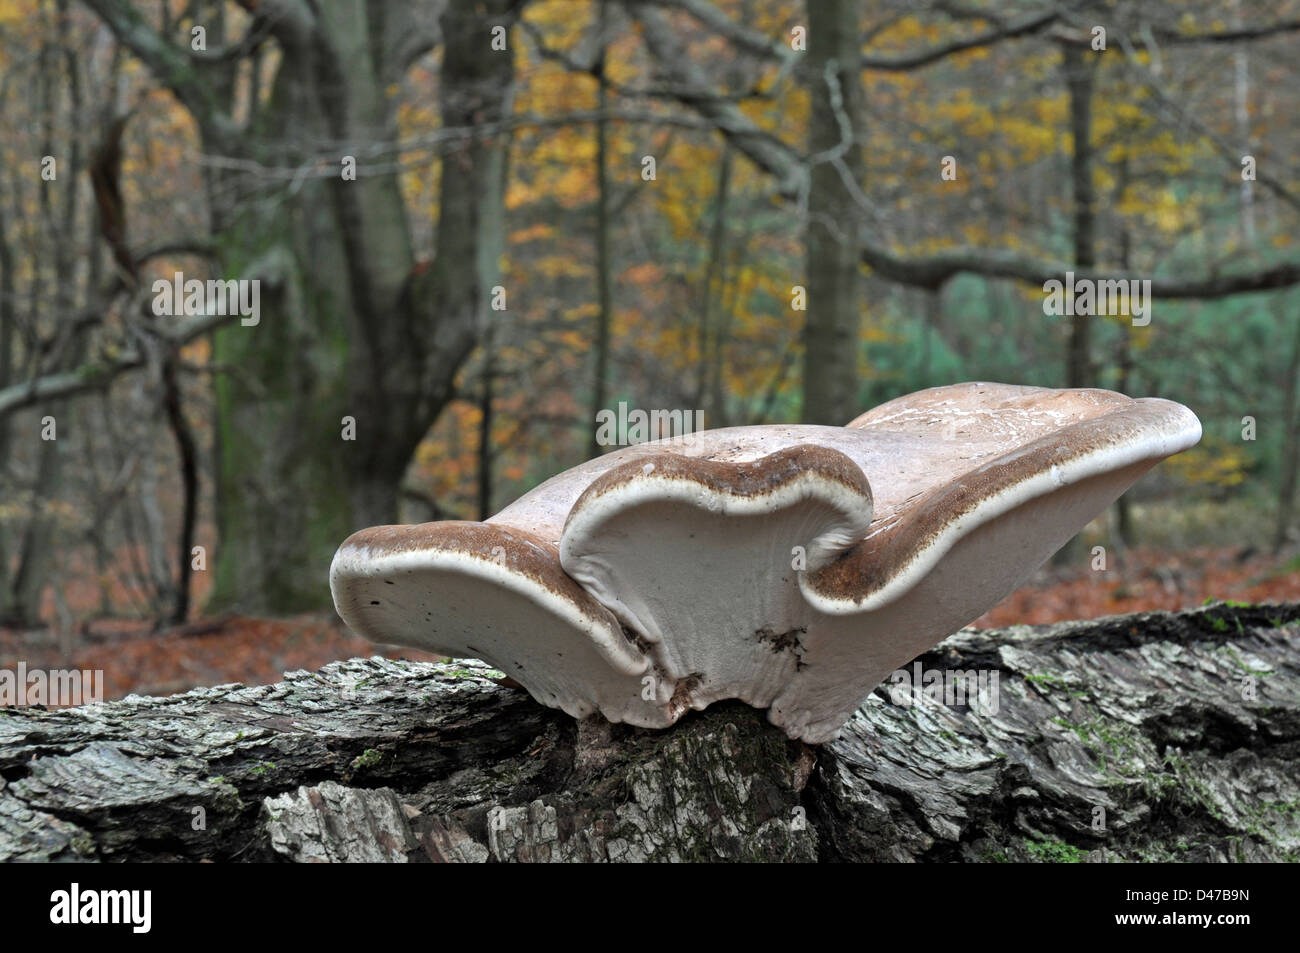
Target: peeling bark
[(1143, 717)]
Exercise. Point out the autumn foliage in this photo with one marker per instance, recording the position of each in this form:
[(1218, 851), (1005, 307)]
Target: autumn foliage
[(704, 256)]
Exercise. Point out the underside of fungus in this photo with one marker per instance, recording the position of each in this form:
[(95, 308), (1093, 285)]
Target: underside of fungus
[(790, 566)]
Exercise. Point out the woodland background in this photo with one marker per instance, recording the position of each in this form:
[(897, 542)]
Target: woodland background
[(793, 144)]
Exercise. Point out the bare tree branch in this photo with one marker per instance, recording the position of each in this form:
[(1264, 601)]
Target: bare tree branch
[(751, 41), (450, 139), (257, 33), (930, 271), (172, 65), (1238, 35), (97, 375), (910, 61), (414, 31), (761, 147), (933, 271), (176, 246), (1182, 115), (760, 44)]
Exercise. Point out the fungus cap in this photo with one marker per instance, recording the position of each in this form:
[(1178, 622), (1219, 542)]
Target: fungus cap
[(790, 566)]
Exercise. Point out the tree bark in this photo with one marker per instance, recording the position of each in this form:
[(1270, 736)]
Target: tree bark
[(486, 402), (1126, 738), (187, 452), (1286, 490), (833, 259), (1079, 64), (604, 279), (21, 592), (1080, 67), (716, 322), (1241, 117), (1125, 531)]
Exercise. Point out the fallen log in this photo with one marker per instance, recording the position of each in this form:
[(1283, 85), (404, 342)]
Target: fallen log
[(1159, 736)]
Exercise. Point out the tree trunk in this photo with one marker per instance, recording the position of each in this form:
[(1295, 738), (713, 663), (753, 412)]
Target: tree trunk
[(833, 259), (358, 346), (1286, 489), (187, 453), (21, 593), (20, 605), (486, 401), (708, 389), (1080, 65), (1127, 738), (1125, 535), (1241, 117), (604, 289), (8, 327)]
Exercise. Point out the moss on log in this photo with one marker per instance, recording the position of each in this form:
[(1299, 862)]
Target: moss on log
[(1160, 736)]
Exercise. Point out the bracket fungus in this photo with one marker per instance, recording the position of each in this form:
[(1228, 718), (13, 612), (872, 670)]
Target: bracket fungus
[(790, 566)]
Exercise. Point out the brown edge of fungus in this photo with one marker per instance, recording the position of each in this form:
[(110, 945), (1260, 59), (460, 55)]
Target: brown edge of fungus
[(749, 479), (875, 561)]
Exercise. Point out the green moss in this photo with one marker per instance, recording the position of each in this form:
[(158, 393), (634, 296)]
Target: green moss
[(1197, 791), (1055, 852), (1044, 681), (1241, 663), (82, 844), (367, 759), (466, 673), (1115, 746)]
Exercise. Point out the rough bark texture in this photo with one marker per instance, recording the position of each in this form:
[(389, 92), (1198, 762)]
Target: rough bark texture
[(1142, 716)]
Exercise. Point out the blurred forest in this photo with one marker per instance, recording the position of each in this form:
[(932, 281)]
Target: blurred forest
[(477, 223)]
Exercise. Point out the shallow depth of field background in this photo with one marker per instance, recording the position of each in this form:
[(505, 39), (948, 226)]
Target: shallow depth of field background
[(699, 267)]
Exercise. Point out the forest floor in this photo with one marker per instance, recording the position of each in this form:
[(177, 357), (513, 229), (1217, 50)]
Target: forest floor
[(257, 651)]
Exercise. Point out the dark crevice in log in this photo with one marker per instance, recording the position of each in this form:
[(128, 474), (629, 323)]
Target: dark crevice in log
[(1161, 736)]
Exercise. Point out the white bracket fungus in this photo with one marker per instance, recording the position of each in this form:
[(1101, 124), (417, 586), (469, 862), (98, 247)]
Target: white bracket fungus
[(790, 566)]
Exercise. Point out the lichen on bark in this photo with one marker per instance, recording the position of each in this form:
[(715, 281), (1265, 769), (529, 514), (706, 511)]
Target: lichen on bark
[(1162, 736)]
